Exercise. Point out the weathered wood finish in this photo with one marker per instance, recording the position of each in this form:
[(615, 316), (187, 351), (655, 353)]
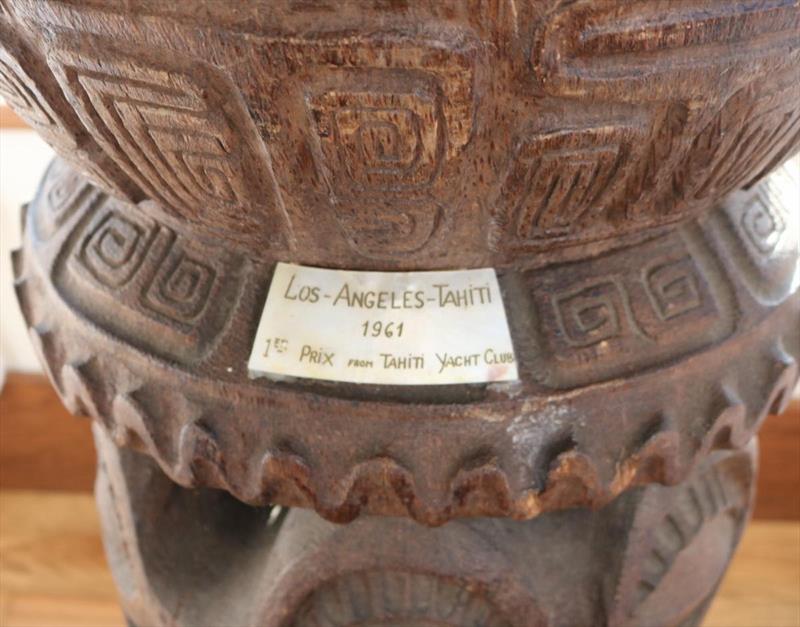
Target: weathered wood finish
[(43, 448), (412, 134), (672, 546), (655, 330), (604, 156)]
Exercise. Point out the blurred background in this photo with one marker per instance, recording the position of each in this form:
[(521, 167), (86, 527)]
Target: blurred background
[(23, 157), (52, 570)]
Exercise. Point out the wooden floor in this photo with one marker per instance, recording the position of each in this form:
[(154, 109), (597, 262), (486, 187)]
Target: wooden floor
[(53, 574)]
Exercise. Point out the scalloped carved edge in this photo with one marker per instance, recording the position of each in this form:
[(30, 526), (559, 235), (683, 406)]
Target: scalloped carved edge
[(192, 455)]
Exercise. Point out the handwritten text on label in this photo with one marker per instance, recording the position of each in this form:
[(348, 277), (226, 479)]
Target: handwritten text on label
[(392, 328)]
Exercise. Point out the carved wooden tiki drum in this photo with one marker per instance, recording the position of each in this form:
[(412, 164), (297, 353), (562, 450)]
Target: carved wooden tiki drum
[(616, 162)]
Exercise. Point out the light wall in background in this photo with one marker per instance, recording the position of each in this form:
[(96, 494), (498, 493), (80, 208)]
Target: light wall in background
[(23, 159)]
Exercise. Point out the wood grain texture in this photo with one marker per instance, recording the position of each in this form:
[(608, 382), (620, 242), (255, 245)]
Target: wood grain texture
[(761, 587), (403, 133), (52, 566), (778, 495), (708, 293), (43, 447), (606, 158), (54, 573)]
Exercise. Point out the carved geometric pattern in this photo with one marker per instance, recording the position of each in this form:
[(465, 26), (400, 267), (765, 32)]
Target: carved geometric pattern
[(560, 183), (39, 102), (180, 129), (94, 337), (651, 182), (22, 95), (620, 48), (672, 288), (397, 598), (129, 272), (115, 249), (181, 286), (762, 227), (599, 320), (485, 16), (698, 503), (62, 189), (384, 229), (709, 510), (63, 193), (735, 147), (266, 472), (590, 314), (383, 129), (380, 140), (390, 113)]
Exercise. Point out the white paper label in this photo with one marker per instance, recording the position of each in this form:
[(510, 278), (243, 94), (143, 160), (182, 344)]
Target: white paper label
[(394, 328)]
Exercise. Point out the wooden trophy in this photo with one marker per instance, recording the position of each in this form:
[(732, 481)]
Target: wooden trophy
[(614, 166)]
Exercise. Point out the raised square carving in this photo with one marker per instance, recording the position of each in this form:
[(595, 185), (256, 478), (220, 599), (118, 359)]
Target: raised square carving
[(147, 284), (113, 251), (762, 228), (61, 194), (672, 287), (383, 128), (180, 287), (381, 141), (590, 314), (561, 183), (614, 315)]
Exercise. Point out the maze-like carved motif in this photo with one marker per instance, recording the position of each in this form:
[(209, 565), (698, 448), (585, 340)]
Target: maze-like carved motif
[(373, 141), (153, 382), (590, 314), (544, 126), (115, 249), (179, 129), (384, 228), (22, 98), (673, 288), (62, 192), (181, 286), (384, 127), (23, 95), (128, 272), (762, 229), (32, 92), (599, 320), (763, 225), (561, 183)]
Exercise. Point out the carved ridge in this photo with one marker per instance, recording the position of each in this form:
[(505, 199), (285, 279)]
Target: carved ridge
[(281, 470), (572, 479)]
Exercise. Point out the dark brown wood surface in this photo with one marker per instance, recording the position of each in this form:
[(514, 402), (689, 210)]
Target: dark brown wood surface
[(44, 447), (609, 160)]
